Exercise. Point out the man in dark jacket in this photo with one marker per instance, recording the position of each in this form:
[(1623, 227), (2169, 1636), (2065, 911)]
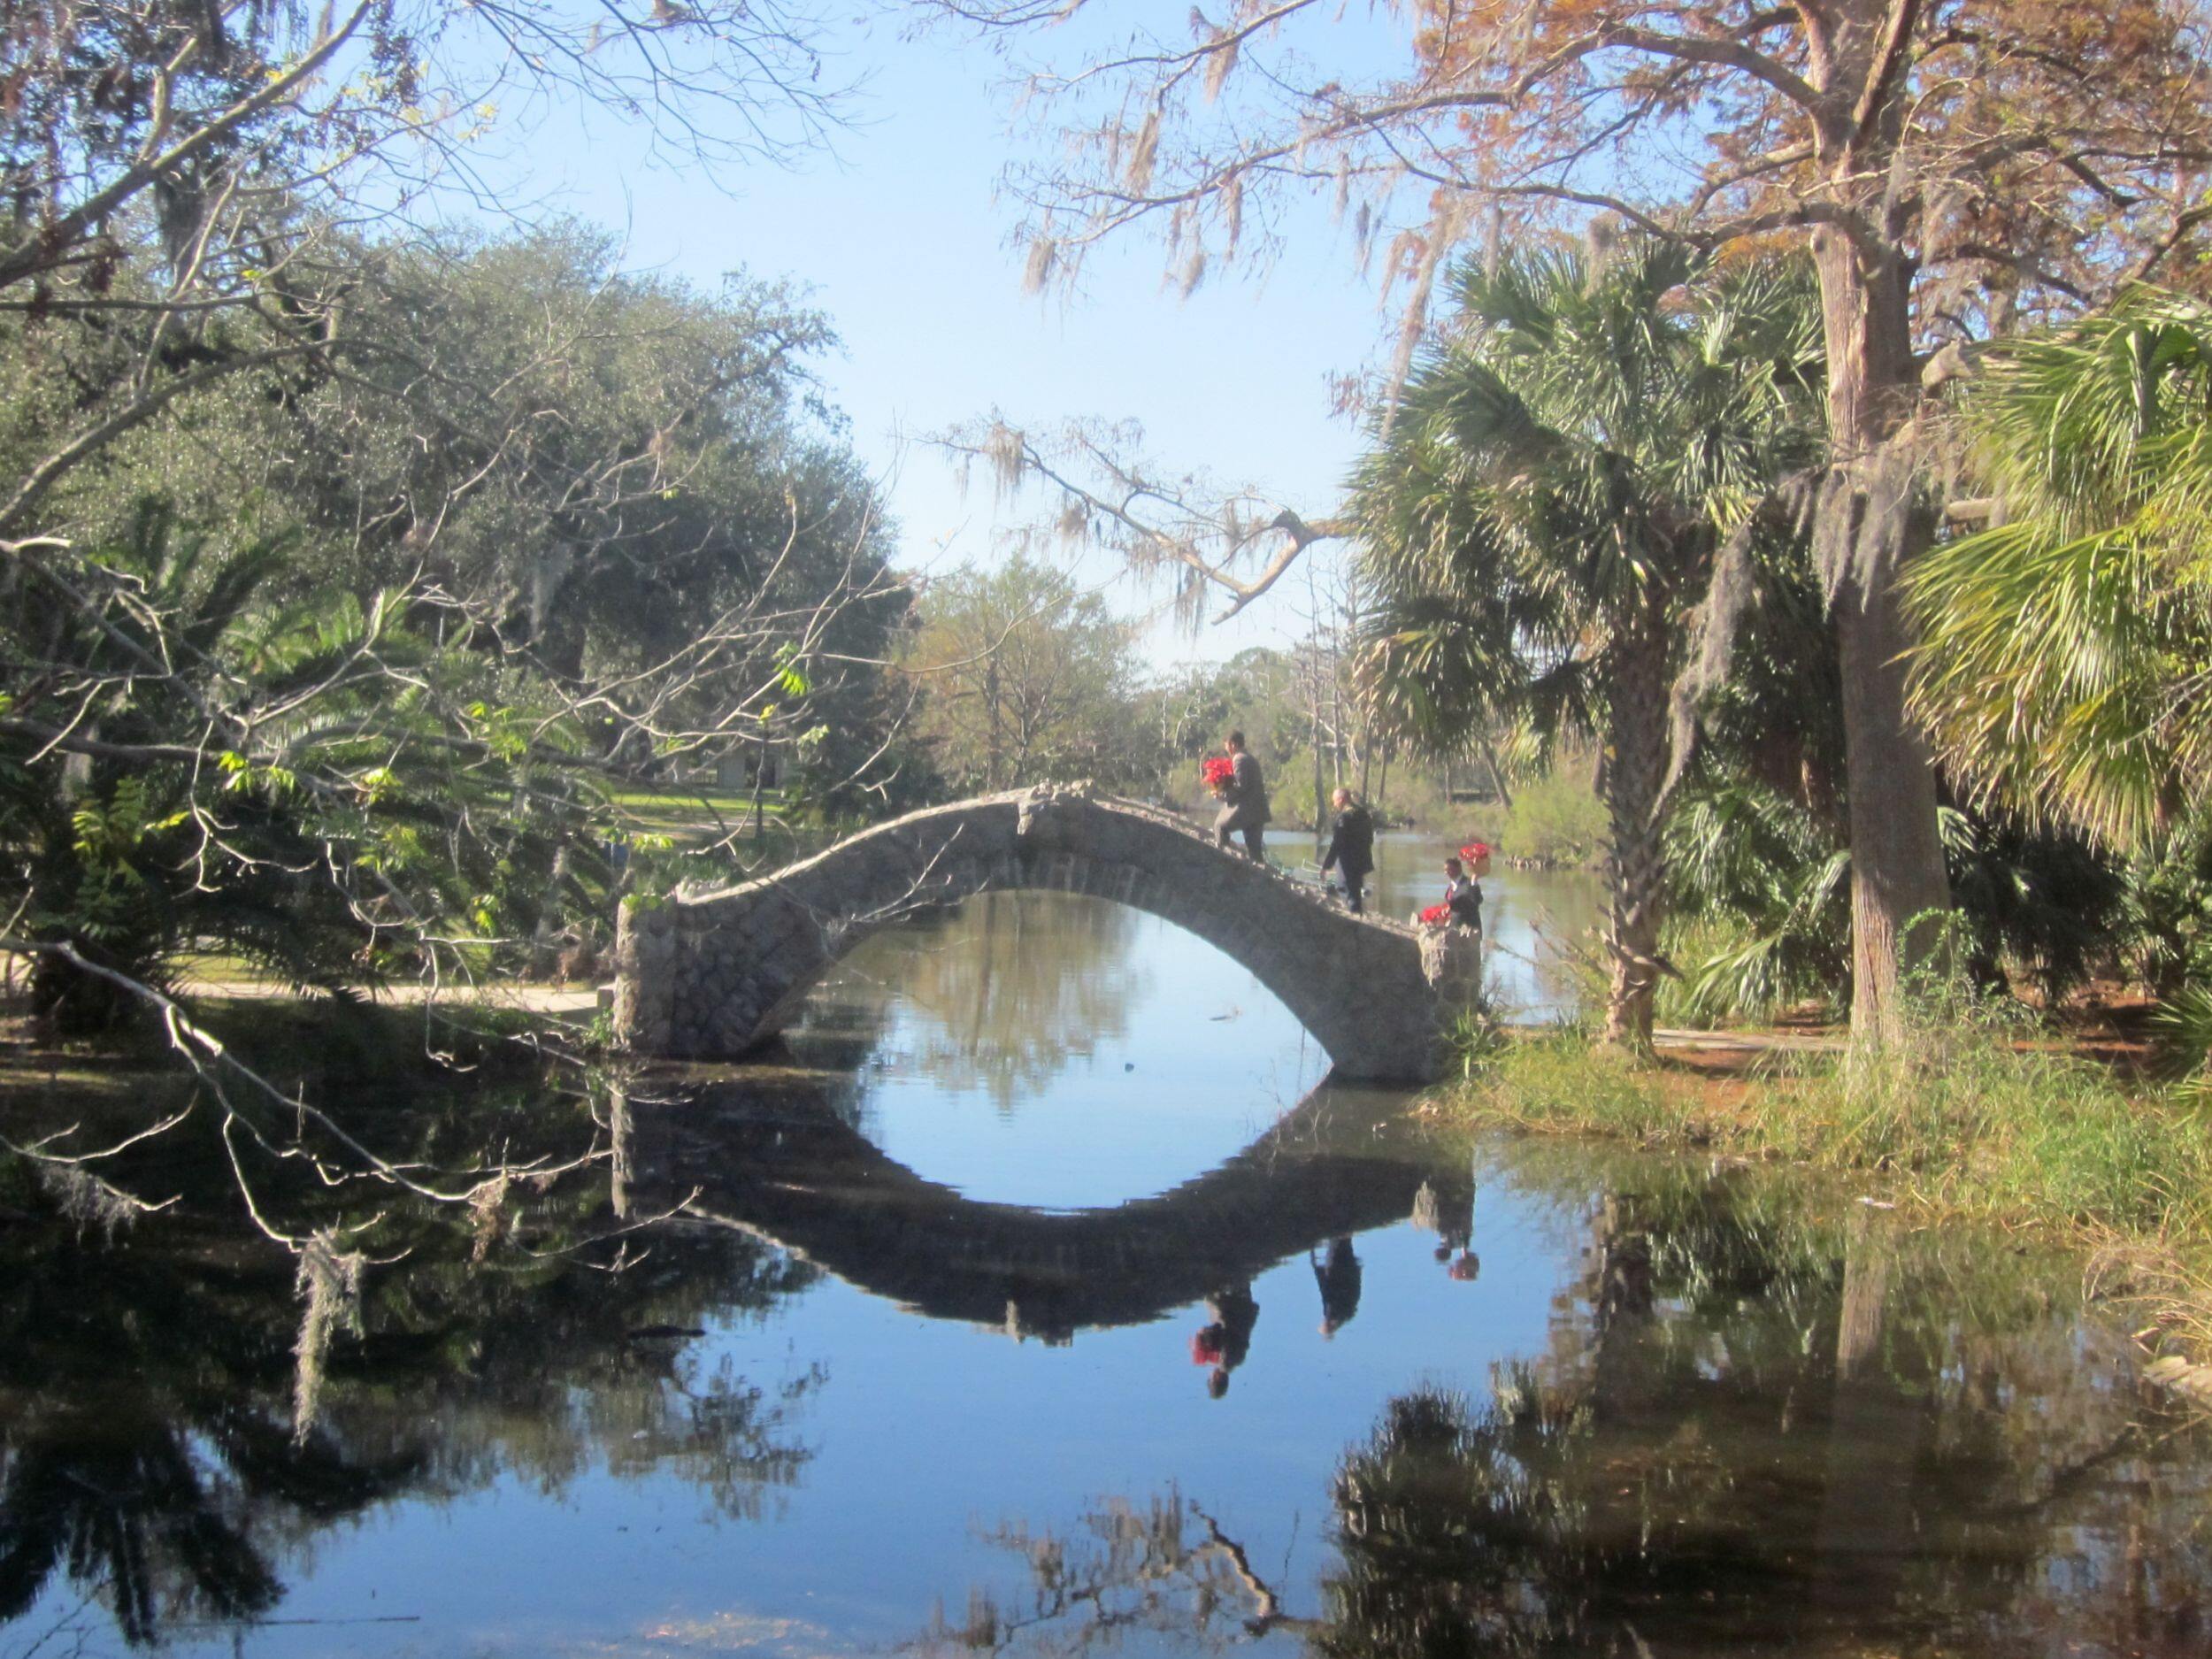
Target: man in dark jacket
[(1351, 848), (1244, 803), (1463, 895)]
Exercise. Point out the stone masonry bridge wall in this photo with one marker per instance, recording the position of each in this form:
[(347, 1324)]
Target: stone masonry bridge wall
[(711, 975)]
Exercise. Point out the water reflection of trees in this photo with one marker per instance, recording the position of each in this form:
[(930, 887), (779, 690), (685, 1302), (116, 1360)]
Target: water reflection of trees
[(146, 1509), (1751, 1432), (1165, 1568), (150, 1459), (1005, 987)]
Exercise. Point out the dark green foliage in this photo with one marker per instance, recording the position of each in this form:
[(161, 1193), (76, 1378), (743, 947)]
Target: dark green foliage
[(372, 786), (338, 665), (2169, 887), (2042, 904), (1576, 445), (2064, 650), (1581, 474), (1746, 855), (2038, 906)]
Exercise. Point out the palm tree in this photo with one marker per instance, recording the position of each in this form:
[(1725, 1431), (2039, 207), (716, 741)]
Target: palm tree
[(1581, 463), (400, 788), (2065, 662)]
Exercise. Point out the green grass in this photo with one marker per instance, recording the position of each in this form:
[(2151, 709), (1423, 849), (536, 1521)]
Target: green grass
[(681, 811), (1954, 1122), (677, 796)]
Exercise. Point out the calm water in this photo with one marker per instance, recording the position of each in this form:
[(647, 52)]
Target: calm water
[(1037, 1305)]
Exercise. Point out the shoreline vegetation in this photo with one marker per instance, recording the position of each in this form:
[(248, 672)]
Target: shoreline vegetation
[(1963, 1123)]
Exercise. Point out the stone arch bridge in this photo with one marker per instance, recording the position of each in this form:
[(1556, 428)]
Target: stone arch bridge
[(711, 975)]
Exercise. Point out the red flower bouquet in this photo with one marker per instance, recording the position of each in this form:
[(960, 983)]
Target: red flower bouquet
[(1220, 770), (1437, 913), (1474, 851)]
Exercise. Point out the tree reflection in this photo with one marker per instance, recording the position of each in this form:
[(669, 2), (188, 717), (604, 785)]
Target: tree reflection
[(1010, 985), (1753, 1430), (155, 1514), (1165, 1568), (1737, 1442), (149, 1458)]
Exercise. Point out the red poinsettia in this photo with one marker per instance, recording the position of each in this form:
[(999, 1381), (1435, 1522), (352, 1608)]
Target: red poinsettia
[(1220, 770), (1475, 850), (1437, 913)]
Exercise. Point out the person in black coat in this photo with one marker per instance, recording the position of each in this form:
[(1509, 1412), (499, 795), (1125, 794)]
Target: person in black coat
[(1244, 801), (1338, 1274), (1463, 895), (1351, 848)]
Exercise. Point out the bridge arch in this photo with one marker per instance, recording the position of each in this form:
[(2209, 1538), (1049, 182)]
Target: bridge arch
[(787, 1166), (711, 975)]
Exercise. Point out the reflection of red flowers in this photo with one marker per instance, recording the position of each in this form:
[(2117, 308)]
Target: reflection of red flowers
[(1437, 913), (1465, 1269), (1220, 770), (1206, 1346)]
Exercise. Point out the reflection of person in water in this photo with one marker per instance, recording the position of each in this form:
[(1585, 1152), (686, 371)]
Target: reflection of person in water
[(1337, 1274), (1451, 1216), (1224, 1341)]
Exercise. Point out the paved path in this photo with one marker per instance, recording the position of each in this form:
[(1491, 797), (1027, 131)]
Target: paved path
[(535, 999)]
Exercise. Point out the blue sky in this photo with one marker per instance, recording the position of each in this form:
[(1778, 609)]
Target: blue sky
[(898, 236)]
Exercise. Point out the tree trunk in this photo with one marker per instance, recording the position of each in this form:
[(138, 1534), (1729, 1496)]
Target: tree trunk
[(1635, 769), (1318, 798), (1869, 522), (1497, 774), (1897, 871), (760, 781)]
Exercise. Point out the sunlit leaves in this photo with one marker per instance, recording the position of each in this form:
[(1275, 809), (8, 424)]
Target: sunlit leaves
[(2065, 653), (1579, 440)]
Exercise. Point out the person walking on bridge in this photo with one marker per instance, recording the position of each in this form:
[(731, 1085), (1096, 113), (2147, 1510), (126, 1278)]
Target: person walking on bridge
[(1243, 800), (1351, 848)]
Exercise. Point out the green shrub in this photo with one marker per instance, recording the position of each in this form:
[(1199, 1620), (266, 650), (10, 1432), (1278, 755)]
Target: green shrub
[(1557, 820)]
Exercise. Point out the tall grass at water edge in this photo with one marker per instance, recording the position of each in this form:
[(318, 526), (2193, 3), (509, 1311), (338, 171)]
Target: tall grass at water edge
[(1962, 1117)]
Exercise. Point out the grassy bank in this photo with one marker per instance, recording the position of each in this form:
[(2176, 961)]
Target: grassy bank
[(1958, 1122)]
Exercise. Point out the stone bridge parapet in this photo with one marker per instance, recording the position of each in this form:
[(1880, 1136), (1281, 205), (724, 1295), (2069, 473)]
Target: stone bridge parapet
[(713, 974)]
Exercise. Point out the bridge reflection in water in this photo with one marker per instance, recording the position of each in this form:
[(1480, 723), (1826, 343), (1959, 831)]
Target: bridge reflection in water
[(782, 1161)]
